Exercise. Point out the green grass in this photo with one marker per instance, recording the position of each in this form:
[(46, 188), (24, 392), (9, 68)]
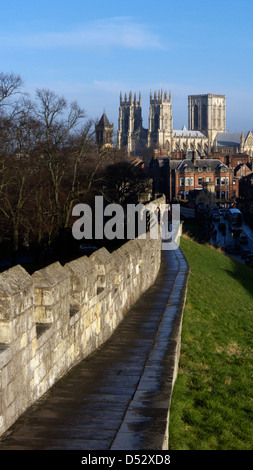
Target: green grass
[(212, 402)]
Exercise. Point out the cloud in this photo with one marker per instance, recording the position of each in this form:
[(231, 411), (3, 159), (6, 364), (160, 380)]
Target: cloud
[(118, 32)]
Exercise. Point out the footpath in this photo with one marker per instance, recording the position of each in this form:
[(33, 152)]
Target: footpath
[(119, 397)]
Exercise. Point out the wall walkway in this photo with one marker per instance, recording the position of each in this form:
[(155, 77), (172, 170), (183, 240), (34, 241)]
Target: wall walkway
[(119, 396)]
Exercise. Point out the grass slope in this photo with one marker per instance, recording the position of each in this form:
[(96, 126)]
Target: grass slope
[(212, 402)]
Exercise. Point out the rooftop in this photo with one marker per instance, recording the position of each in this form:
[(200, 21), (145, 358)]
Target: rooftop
[(185, 133)]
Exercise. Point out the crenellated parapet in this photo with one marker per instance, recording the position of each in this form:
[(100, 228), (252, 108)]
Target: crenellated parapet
[(54, 318)]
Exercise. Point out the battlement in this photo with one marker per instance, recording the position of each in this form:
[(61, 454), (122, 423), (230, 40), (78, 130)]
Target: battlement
[(160, 97), (54, 318), (130, 101)]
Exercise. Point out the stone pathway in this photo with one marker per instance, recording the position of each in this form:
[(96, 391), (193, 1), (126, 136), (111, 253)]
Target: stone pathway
[(118, 398)]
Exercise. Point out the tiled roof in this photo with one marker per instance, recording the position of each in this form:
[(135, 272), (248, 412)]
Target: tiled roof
[(185, 133), (212, 163), (230, 139)]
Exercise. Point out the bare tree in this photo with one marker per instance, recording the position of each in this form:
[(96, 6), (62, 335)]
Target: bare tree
[(10, 84), (57, 120)]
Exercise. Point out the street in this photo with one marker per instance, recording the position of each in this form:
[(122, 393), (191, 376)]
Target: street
[(232, 246)]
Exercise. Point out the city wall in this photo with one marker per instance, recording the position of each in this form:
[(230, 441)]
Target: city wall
[(54, 318)]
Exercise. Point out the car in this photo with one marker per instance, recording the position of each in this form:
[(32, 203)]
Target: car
[(243, 239)]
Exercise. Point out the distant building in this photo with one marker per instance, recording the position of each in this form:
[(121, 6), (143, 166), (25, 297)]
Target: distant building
[(131, 136), (177, 178), (246, 189), (206, 126), (234, 142), (207, 114), (104, 132)]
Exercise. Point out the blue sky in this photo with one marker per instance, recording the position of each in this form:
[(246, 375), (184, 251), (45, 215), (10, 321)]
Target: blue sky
[(89, 51)]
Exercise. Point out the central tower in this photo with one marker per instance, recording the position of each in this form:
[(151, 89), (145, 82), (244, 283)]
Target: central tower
[(160, 132), (207, 114)]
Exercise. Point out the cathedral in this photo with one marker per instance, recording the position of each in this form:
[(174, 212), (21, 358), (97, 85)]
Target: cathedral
[(206, 126)]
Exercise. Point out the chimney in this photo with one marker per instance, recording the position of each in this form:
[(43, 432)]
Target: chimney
[(193, 156)]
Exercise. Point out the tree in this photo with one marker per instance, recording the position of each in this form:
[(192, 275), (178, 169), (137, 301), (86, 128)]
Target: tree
[(57, 120), (10, 85), (127, 183), (48, 162)]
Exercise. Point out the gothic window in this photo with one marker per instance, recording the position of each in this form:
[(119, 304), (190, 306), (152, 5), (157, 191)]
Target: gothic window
[(196, 117), (126, 121), (156, 122), (204, 117)]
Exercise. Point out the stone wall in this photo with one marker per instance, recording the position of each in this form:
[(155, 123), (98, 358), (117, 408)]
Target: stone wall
[(51, 320)]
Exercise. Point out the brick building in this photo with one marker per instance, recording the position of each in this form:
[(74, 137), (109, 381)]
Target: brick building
[(193, 173), (176, 178)]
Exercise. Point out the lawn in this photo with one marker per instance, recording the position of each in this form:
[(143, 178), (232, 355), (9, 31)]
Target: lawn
[(212, 402)]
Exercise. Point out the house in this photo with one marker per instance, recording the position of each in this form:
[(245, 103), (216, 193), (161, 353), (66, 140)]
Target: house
[(176, 178)]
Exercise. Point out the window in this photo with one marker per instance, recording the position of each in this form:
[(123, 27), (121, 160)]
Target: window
[(208, 179), (187, 181), (181, 181), (223, 180), (204, 117), (217, 181), (200, 181), (196, 117), (192, 181), (227, 181)]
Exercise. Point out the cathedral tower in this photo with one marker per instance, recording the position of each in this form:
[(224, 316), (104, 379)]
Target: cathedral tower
[(160, 120), (207, 114), (130, 121), (104, 132)]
